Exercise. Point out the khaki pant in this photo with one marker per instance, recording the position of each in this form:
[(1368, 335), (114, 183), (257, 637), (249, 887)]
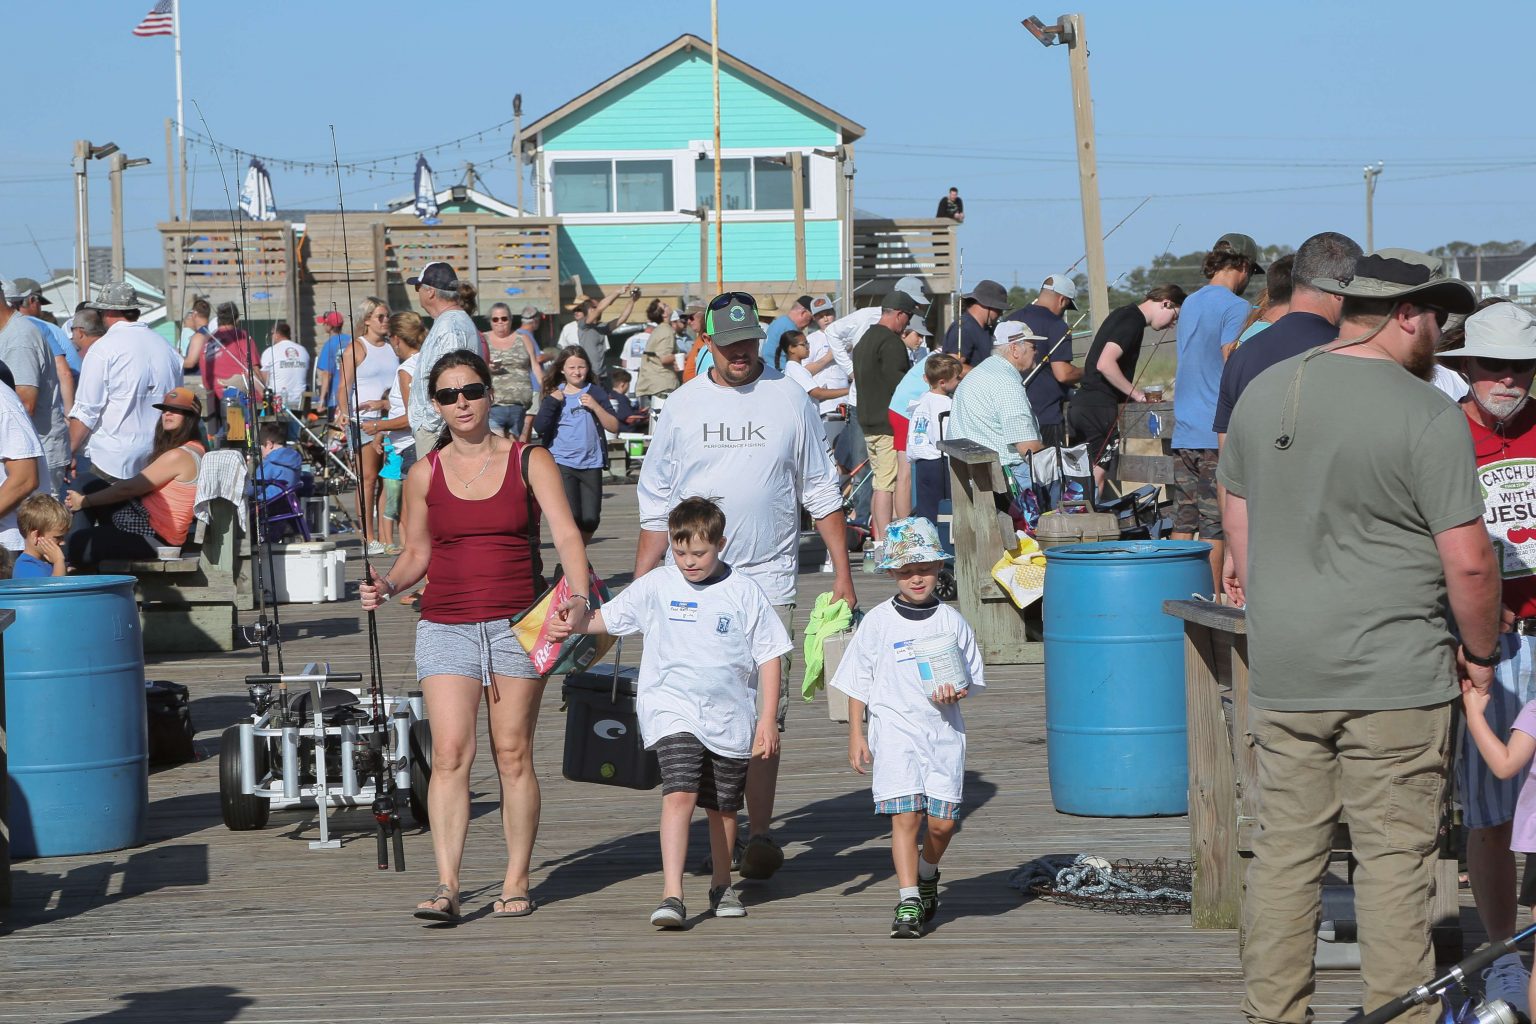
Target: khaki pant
[(426, 441), (1387, 770)]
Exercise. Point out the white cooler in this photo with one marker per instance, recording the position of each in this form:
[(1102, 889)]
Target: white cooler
[(309, 573)]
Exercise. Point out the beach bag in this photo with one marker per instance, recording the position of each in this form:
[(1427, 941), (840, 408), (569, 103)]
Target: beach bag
[(1060, 474), (531, 626)]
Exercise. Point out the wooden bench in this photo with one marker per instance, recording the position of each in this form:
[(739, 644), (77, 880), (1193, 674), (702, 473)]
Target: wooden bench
[(981, 534), (189, 604), (1223, 798), (1146, 426)]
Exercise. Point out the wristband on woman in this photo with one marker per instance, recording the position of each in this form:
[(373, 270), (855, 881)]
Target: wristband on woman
[(584, 598), (389, 588)]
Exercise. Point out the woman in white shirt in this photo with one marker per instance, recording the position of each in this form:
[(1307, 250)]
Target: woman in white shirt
[(374, 364)]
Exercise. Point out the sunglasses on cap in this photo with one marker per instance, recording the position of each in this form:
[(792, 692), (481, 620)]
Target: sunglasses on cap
[(726, 298), (450, 396), (1505, 365)]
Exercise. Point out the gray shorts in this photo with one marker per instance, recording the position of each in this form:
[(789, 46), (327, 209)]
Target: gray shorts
[(472, 649), (786, 614)]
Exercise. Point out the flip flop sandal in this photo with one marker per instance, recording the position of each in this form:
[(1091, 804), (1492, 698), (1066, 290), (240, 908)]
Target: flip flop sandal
[(529, 906), (450, 914)]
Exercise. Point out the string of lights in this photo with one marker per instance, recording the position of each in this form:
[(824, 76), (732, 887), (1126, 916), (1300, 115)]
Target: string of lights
[(384, 166)]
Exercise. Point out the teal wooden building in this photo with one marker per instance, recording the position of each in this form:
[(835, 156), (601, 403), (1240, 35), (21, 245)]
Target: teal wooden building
[(628, 169)]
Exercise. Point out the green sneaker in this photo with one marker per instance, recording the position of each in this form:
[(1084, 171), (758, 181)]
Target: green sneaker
[(908, 923), (928, 892)]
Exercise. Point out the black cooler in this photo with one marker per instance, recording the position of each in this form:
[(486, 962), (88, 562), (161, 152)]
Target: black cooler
[(602, 731)]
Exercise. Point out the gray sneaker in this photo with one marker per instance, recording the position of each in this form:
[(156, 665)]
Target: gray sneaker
[(760, 858), (671, 913), (725, 901)]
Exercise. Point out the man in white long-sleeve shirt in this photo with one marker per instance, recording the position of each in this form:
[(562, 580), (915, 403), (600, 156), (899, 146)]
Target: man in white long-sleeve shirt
[(750, 438), (122, 376)]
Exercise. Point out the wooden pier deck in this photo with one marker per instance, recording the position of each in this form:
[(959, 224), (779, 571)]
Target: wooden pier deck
[(206, 925)]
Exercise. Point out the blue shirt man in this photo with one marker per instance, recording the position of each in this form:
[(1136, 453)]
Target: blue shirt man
[(1208, 319), (798, 318)]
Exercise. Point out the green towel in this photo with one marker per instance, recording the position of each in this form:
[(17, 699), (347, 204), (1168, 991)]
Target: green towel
[(827, 617)]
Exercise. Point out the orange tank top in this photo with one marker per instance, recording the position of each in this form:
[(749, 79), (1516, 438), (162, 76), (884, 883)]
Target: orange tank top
[(171, 507)]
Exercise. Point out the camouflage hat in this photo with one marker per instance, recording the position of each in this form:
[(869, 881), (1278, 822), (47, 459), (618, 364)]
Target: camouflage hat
[(1242, 245), (1403, 274), (117, 297)]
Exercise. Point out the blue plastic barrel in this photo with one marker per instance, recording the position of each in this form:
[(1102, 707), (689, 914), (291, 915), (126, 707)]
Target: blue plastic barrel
[(74, 702), (1114, 675)]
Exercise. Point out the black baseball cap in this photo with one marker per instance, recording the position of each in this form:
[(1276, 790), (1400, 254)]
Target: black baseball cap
[(437, 275)]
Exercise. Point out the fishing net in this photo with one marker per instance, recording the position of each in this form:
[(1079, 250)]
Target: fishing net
[(1160, 886)]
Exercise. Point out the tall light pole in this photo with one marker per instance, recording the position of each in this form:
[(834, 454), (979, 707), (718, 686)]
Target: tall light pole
[(84, 153), (115, 168), (1372, 172), (1069, 30)]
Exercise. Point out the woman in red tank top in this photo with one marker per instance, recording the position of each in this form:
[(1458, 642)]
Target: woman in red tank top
[(466, 521)]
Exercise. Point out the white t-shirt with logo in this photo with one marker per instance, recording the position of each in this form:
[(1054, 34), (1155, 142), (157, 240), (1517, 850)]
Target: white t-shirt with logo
[(918, 746), (18, 440), (703, 645), (286, 367), (926, 426), (761, 452)]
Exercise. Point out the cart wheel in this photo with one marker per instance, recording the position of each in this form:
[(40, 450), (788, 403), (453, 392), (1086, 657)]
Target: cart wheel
[(947, 589), (421, 771), (241, 813)]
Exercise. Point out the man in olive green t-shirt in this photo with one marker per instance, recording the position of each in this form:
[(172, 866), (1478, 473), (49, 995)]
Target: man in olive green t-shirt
[(879, 362), (1355, 525)]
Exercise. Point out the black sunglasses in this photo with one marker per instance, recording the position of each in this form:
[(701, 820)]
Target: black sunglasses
[(450, 396), (1441, 315), (726, 298), (1505, 365), (501, 319)]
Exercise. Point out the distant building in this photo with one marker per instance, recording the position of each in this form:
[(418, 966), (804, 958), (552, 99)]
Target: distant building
[(1511, 276)]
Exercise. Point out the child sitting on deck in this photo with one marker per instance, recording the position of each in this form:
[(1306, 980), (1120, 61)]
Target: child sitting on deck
[(708, 632), (43, 522), (916, 733)]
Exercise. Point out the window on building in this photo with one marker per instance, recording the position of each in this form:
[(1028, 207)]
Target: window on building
[(643, 186), (758, 183), (583, 186)]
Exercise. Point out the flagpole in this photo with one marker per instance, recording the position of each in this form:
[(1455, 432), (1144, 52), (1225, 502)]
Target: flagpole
[(181, 121)]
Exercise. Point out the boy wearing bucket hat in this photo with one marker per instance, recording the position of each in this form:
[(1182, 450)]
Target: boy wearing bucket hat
[(911, 662)]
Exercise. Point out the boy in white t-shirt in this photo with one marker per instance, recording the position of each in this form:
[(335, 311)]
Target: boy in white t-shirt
[(711, 636), (916, 734), (930, 470)]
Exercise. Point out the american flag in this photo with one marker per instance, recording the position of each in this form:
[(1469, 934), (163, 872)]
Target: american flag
[(158, 22)]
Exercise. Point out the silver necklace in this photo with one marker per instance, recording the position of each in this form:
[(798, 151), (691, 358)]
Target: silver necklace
[(485, 466)]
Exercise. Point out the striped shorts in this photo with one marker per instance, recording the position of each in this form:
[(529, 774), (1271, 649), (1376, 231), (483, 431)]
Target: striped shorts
[(688, 766), (1486, 799), (935, 808)]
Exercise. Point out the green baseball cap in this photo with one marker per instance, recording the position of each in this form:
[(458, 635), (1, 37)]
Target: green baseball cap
[(732, 317), (1242, 245)]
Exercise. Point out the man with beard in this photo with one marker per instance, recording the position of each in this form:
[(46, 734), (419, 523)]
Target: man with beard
[(750, 439), (1498, 358), (1355, 524)]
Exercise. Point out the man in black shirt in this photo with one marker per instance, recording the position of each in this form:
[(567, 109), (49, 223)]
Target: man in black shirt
[(1109, 374), (879, 363), (952, 206), (1313, 319)]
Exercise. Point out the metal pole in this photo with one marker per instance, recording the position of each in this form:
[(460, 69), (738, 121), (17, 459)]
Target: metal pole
[(517, 147), (1087, 168), (82, 222), (115, 175), (181, 121), (714, 60), (850, 223), (170, 170)]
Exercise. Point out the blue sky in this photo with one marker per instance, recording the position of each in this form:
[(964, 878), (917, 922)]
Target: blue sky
[(1231, 118)]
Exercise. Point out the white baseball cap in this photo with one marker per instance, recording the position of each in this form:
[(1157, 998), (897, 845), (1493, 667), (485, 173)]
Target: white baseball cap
[(1009, 331), (1063, 285)]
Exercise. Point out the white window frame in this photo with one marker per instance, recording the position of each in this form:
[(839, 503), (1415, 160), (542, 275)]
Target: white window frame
[(822, 174)]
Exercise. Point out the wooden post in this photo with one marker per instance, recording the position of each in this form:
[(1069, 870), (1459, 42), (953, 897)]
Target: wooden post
[(1216, 900), (976, 475), (714, 61), (797, 190), (115, 167), (473, 244), (1087, 168), (703, 253)]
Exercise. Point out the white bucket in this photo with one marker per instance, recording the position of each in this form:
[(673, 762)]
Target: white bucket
[(939, 662)]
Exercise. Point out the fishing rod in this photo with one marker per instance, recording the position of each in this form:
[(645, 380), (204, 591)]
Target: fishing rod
[(386, 800), (267, 633), (1494, 1011)]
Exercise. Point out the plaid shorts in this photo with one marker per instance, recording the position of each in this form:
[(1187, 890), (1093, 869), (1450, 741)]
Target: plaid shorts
[(1193, 491), (936, 808)]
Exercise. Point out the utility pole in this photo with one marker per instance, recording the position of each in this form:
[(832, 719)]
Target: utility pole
[(115, 168), (517, 147), (714, 60), (84, 154), (1069, 30), (1372, 172), (170, 168)]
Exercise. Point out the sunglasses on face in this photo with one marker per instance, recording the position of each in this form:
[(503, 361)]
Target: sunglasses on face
[(1505, 365), (501, 319), (1441, 315), (450, 396)]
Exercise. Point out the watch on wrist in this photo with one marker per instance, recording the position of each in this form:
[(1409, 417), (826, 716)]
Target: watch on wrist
[(1488, 662)]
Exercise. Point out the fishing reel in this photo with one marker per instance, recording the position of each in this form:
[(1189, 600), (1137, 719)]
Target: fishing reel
[(1481, 1011)]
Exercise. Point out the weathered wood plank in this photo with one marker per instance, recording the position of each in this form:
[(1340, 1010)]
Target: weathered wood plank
[(1223, 617)]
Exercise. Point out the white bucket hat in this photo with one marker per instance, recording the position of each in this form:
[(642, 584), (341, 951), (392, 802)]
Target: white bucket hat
[(1501, 331)]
